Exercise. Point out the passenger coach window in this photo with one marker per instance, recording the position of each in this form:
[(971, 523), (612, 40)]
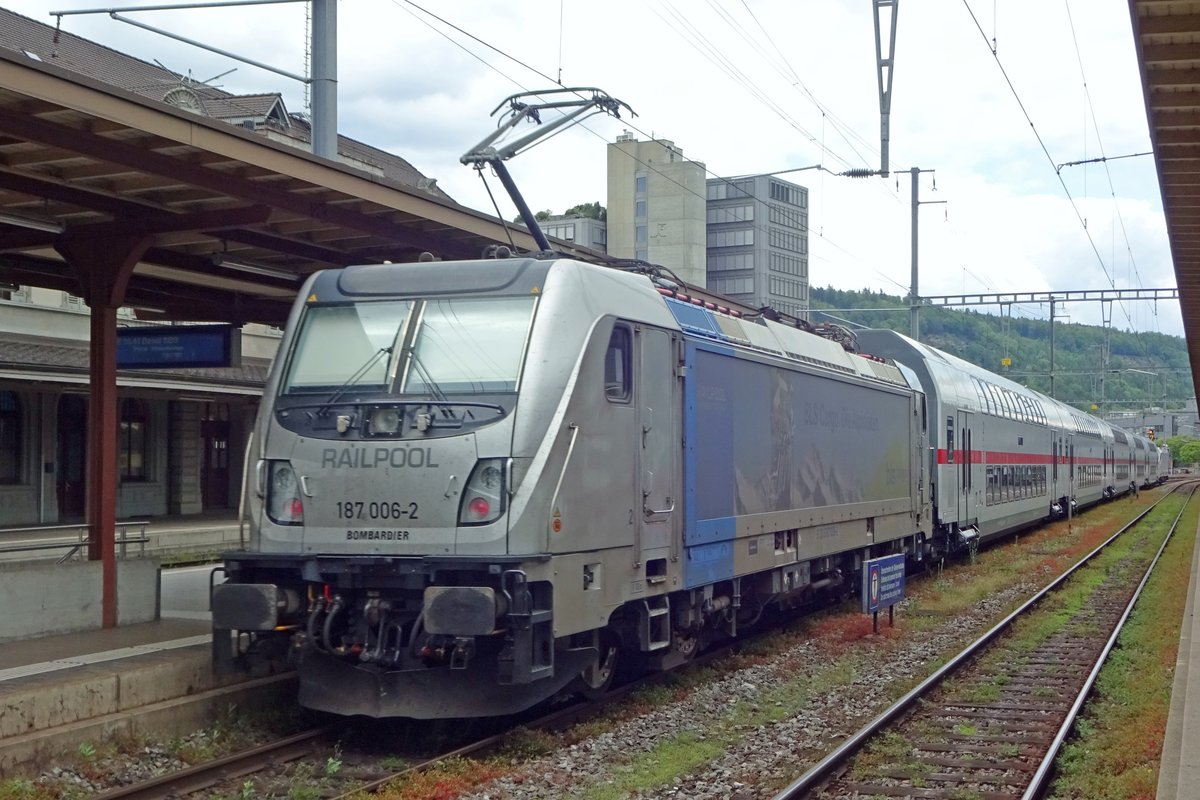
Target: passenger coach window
[(617, 372), (950, 440)]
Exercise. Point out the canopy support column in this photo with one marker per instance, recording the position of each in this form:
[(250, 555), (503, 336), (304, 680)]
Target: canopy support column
[(104, 265)]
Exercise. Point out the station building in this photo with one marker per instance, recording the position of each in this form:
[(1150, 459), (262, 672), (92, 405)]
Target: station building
[(182, 432)]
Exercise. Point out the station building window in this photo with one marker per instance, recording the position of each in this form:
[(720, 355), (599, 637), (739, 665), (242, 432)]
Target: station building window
[(11, 427), (132, 441)]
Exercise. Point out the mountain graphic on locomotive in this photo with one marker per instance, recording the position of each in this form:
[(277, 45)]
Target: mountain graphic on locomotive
[(479, 483)]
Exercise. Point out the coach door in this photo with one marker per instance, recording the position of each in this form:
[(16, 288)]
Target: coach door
[(966, 477), (657, 392), (1069, 452)]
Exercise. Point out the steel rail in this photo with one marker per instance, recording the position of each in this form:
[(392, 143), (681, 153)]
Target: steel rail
[(819, 771), (202, 776), (1042, 776), (555, 719)]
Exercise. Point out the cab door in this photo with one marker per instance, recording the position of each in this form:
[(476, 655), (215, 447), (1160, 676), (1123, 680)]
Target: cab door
[(658, 428)]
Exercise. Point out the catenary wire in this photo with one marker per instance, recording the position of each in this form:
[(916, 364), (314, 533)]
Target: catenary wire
[(648, 166)]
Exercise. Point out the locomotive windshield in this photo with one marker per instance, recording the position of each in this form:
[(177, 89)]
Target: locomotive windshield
[(412, 347)]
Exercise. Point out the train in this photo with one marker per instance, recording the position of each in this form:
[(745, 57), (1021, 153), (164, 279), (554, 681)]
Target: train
[(481, 484)]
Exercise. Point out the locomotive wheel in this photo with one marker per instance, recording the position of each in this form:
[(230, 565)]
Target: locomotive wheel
[(685, 643), (595, 679)]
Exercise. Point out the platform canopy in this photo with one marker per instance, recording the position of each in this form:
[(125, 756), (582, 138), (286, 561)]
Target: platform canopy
[(1167, 36), (228, 223), (128, 201)]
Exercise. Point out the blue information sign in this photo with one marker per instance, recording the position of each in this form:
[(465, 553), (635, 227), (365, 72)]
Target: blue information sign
[(883, 582), (175, 346)]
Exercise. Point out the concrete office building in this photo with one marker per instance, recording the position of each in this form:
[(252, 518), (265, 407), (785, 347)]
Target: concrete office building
[(758, 242), (584, 231), (656, 206), (745, 237)]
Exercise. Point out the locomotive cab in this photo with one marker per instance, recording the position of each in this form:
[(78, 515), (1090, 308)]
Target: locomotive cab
[(405, 509)]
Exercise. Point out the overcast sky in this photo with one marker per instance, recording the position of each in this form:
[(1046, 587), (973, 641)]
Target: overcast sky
[(748, 86)]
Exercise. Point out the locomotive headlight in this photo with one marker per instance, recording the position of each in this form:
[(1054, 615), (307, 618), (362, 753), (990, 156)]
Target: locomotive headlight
[(284, 505), (484, 497), (384, 421)]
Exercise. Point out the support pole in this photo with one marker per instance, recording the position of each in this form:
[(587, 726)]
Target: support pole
[(1052, 301), (883, 71), (914, 323), (324, 78), (101, 455), (104, 265)]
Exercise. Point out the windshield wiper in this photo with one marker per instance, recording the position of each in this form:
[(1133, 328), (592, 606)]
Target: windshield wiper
[(353, 379)]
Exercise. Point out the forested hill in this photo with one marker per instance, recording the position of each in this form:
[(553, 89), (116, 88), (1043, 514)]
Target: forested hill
[(985, 339)]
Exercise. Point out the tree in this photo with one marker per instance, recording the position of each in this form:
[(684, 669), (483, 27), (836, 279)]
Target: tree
[(1184, 449), (588, 211), (540, 216)]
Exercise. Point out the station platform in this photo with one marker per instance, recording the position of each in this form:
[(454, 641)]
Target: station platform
[(59, 691), (1179, 772)]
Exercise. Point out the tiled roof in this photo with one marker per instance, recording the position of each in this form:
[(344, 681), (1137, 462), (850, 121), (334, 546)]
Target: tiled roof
[(68, 51), (243, 105)]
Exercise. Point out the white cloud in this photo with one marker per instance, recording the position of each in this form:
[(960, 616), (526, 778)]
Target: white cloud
[(1007, 225)]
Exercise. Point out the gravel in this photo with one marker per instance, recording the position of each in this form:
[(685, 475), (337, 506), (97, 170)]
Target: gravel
[(754, 761), (761, 758)]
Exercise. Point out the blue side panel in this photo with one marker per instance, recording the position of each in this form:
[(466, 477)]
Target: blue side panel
[(714, 530), (710, 428), (706, 563), (707, 428)]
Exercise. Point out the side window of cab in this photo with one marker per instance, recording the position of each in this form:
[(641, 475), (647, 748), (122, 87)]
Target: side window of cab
[(618, 374)]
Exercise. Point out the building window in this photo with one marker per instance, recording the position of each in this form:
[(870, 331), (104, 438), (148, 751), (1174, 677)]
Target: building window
[(728, 261), (10, 437), (641, 255), (618, 376), (641, 234), (132, 440), (566, 232), (795, 195), (732, 285), (722, 214), (731, 238), (639, 209), (639, 184), (784, 240)]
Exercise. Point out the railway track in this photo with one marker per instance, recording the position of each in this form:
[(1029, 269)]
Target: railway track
[(308, 754), (994, 730), (1032, 694)]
